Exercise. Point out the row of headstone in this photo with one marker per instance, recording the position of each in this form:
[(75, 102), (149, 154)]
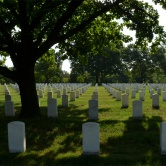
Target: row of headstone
[(90, 138), (125, 97)]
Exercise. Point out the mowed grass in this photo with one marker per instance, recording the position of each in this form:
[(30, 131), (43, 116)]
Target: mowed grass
[(58, 141)]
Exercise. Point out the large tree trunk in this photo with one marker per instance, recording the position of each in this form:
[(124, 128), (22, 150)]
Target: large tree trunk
[(28, 93)]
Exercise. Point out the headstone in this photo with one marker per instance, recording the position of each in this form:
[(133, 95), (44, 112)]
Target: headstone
[(49, 95), (16, 137), (141, 95), (8, 98), (133, 93), (59, 93), (127, 91), (155, 101), (72, 96), (159, 91), (93, 109), (95, 96), (164, 95), (65, 101), (163, 137), (9, 108), (52, 110), (41, 94), (64, 91), (118, 95), (125, 101), (151, 93), (91, 138), (77, 93), (137, 109)]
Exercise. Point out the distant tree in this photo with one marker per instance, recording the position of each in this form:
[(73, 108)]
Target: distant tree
[(139, 62), (46, 68)]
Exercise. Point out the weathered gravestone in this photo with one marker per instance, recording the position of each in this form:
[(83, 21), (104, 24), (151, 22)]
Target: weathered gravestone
[(93, 109), (137, 109), (52, 110), (16, 137), (91, 138)]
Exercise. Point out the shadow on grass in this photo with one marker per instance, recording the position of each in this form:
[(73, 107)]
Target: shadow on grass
[(49, 140)]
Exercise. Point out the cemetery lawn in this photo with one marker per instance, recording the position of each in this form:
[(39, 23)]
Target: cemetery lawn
[(58, 141)]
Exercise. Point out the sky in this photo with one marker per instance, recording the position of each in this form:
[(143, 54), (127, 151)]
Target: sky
[(162, 13)]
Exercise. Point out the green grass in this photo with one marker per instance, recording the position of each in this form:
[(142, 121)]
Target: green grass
[(58, 141)]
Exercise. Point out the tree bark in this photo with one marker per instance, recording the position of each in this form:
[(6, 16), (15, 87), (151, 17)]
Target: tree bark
[(28, 93)]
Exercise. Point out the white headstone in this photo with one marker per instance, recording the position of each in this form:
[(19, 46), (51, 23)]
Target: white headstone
[(133, 93), (65, 101), (72, 96), (59, 93), (125, 100), (137, 109), (9, 108), (93, 109), (52, 110), (118, 95), (155, 101), (16, 137), (49, 95), (91, 138), (163, 137), (8, 98), (164, 95)]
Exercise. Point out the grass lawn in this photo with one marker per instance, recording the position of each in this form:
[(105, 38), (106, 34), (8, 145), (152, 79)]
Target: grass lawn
[(58, 141)]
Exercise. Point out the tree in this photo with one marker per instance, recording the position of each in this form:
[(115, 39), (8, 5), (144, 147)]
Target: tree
[(29, 28), (46, 68), (139, 62)]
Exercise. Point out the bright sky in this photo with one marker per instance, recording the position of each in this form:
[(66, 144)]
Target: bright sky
[(162, 13)]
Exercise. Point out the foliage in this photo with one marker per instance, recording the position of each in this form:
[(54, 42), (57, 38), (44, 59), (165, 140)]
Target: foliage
[(46, 68)]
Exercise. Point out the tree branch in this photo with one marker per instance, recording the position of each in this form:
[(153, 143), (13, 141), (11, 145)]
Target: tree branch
[(47, 6), (24, 25), (8, 73), (51, 40), (88, 21)]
